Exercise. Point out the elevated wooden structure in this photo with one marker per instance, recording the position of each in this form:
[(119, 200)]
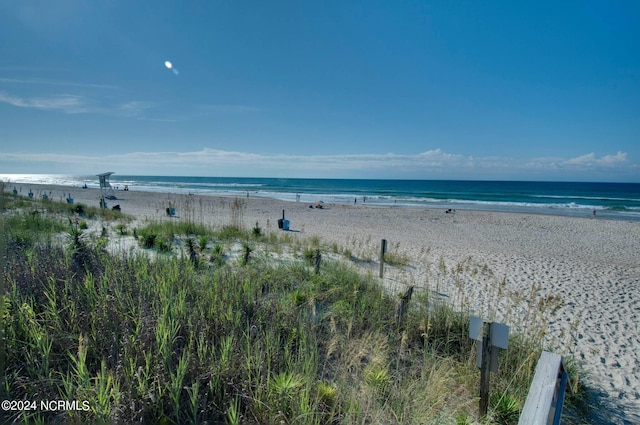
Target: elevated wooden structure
[(106, 190)]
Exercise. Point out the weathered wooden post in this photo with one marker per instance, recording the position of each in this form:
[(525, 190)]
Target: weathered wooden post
[(318, 259), (485, 365), (383, 250), (492, 335)]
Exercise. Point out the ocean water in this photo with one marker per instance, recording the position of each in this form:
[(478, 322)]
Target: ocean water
[(609, 200)]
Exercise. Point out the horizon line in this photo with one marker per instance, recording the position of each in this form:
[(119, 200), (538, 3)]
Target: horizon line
[(2, 176)]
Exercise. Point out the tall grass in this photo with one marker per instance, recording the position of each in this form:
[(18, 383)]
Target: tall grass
[(171, 341)]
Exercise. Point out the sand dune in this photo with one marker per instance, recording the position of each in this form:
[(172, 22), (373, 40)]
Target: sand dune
[(588, 267)]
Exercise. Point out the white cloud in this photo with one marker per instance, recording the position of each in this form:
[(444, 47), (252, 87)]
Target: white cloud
[(613, 159), (590, 159), (582, 160), (429, 164)]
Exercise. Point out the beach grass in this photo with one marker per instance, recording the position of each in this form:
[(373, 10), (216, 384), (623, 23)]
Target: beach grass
[(171, 340)]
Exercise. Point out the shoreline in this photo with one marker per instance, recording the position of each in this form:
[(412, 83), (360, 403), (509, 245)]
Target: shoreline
[(604, 214), (592, 266)]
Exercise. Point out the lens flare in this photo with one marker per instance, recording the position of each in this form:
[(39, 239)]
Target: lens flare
[(170, 67)]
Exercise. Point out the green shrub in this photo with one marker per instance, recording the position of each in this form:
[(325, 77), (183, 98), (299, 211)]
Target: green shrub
[(308, 255), (257, 230), (162, 244), (506, 409), (147, 238), (202, 243), (122, 229)]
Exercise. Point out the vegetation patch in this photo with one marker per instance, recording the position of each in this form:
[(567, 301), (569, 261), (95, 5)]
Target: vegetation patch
[(173, 340)]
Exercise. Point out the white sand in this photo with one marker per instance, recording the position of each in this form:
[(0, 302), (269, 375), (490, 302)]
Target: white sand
[(591, 265)]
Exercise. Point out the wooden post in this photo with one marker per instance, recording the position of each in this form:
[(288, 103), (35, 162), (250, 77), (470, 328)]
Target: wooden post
[(318, 259), (383, 249), (485, 369), (490, 337)]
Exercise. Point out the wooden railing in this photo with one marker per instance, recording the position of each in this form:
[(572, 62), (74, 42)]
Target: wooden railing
[(546, 394)]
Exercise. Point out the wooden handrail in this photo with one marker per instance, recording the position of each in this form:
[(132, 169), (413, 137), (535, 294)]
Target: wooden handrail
[(546, 393)]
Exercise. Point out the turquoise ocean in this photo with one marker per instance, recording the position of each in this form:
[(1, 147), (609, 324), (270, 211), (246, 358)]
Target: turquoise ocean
[(609, 200)]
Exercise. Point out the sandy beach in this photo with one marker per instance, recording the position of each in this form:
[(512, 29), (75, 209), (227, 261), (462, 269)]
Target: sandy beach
[(501, 266)]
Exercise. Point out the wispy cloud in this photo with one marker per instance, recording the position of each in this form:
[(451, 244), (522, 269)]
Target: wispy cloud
[(433, 163), (107, 105), (227, 108), (70, 104), (134, 108), (79, 104), (53, 158), (38, 81)]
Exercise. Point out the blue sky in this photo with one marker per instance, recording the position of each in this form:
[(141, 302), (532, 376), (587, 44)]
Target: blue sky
[(415, 89)]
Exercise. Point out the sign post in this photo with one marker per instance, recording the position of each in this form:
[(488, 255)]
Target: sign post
[(490, 334)]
